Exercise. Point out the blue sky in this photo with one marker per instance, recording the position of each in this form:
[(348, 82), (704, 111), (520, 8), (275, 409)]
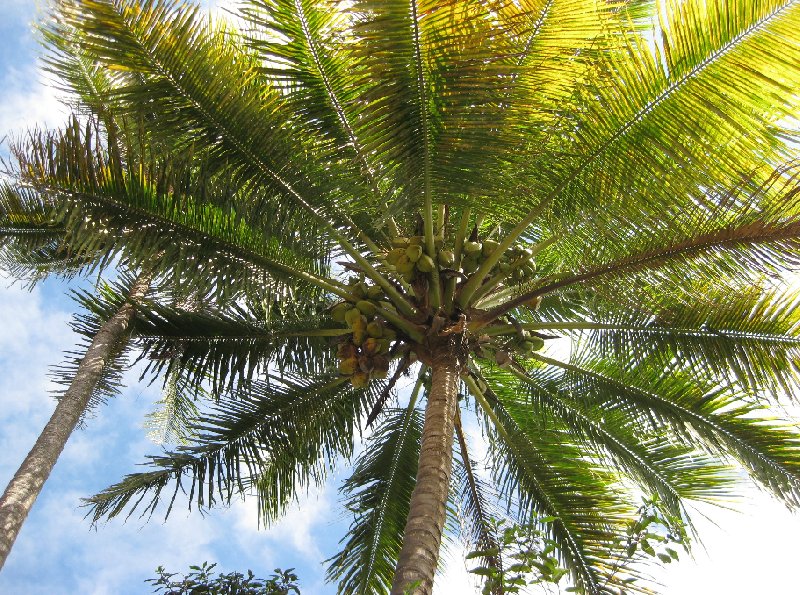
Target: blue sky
[(57, 551)]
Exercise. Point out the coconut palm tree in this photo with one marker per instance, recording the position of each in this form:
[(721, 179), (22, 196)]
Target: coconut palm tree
[(89, 379), (578, 216), (32, 247)]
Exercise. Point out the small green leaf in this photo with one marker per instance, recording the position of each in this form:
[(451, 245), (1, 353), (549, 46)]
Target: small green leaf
[(483, 553)]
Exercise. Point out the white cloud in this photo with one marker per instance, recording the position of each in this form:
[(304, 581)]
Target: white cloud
[(32, 335), (298, 526), (28, 100), (749, 550), (453, 577)]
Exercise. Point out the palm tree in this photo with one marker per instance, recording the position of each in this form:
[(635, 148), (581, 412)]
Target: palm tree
[(368, 190), (93, 368), (32, 247)]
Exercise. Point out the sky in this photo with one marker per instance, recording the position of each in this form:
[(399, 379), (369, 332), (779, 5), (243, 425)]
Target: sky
[(752, 549)]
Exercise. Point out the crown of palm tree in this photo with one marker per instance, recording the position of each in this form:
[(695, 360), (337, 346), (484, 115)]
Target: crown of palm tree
[(356, 192)]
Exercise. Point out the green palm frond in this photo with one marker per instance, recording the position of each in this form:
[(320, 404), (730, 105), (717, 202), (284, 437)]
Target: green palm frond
[(87, 85), (170, 422), (748, 335), (182, 67), (715, 418), (136, 211), (31, 242), (229, 347), (302, 46), (649, 116), (378, 495), (475, 505), (672, 471), (289, 429), (548, 473), (719, 216), (744, 330), (539, 58), (737, 234)]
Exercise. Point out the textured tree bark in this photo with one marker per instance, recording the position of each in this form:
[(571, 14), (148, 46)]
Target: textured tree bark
[(419, 555), (26, 484)]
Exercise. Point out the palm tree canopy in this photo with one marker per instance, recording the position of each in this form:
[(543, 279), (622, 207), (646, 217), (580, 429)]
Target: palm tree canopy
[(348, 190)]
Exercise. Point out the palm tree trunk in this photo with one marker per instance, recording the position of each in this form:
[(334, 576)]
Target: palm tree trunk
[(26, 484), (416, 565)]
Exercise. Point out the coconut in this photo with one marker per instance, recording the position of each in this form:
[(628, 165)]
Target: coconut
[(447, 258), (365, 362), (394, 255), (380, 363), (367, 308), (346, 351), (472, 247), (339, 311), (399, 242), (469, 265), (375, 329), (359, 335), (348, 366), (360, 380), (414, 252), (371, 346), (425, 264), (404, 265), (489, 246), (351, 316), (538, 343)]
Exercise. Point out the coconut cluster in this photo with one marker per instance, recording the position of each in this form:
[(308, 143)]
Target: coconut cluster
[(364, 353), (517, 262), (526, 342), (408, 258)]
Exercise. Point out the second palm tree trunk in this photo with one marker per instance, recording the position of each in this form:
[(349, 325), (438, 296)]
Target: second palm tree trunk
[(419, 555), (26, 484)]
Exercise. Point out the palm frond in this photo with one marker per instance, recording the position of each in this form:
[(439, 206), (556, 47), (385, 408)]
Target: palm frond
[(747, 335), (652, 114), (378, 494), (302, 49), (475, 505), (229, 347), (732, 235), (31, 242), (289, 431), (715, 418), (170, 422), (548, 473), (136, 212), (511, 91), (201, 84)]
